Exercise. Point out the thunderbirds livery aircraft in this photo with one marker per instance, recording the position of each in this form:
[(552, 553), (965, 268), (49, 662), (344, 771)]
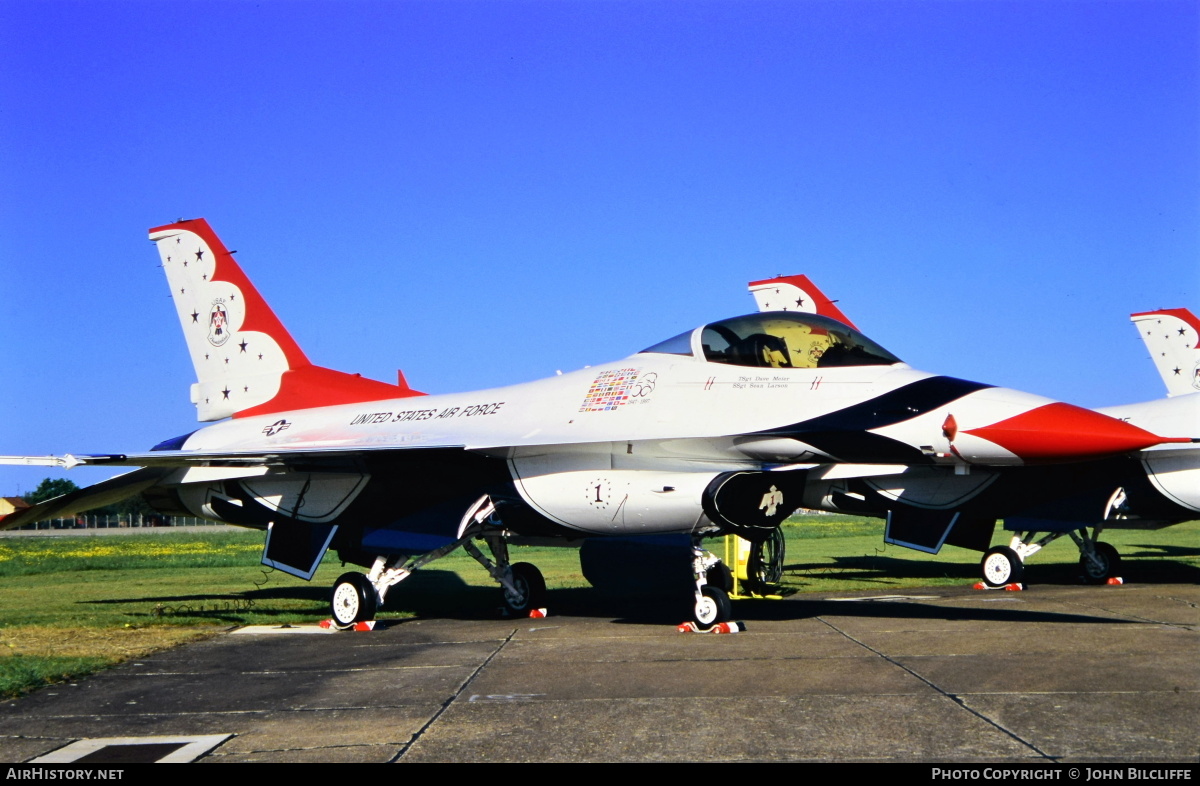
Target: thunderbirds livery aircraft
[(725, 428), (1147, 489)]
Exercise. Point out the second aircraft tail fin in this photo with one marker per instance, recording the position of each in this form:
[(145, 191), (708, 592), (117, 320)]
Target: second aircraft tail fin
[(795, 293)]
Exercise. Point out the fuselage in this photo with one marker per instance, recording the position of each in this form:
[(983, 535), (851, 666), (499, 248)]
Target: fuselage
[(695, 407), (643, 444)]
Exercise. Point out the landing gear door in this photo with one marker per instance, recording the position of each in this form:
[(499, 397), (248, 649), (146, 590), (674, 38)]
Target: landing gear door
[(296, 547), (923, 530)]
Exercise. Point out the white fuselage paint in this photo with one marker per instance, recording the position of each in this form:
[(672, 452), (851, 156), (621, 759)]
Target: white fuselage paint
[(623, 447), (1173, 469), (690, 411)]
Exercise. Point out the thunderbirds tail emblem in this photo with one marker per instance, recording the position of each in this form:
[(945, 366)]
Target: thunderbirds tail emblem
[(218, 324)]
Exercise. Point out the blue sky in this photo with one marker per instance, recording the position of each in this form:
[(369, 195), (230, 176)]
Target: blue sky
[(481, 193)]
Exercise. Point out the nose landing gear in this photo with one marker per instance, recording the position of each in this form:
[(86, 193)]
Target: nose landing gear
[(711, 602)]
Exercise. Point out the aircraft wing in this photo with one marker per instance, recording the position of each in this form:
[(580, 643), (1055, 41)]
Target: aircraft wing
[(172, 467), (239, 458)]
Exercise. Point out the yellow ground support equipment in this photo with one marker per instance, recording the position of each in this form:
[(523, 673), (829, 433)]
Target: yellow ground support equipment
[(757, 568)]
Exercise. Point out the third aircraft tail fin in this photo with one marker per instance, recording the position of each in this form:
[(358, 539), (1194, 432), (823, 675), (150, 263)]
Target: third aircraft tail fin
[(1173, 337)]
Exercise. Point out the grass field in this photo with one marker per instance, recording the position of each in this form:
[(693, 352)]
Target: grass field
[(71, 605)]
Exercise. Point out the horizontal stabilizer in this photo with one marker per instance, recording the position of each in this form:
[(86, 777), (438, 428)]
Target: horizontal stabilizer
[(106, 493)]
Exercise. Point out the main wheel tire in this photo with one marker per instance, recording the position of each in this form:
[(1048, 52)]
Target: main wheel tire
[(1001, 566), (712, 607), (353, 600), (764, 569), (719, 575), (1107, 563), (531, 590)]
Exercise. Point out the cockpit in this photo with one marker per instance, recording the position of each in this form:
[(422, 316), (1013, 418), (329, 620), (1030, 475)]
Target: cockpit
[(778, 339)]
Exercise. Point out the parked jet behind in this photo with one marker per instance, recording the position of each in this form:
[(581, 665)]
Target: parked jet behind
[(926, 507), (723, 428)]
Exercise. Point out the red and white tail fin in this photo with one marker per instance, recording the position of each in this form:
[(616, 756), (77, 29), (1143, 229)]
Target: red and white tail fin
[(1173, 337), (795, 293), (246, 362)]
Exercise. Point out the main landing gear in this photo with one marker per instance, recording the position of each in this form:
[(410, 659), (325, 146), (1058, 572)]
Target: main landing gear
[(1098, 561), (1002, 566), (356, 597), (764, 568)]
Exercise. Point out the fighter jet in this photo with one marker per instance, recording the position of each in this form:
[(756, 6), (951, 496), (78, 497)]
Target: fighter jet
[(926, 507), (724, 428)]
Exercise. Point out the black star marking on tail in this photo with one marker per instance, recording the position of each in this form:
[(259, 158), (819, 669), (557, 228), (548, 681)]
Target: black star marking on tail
[(226, 392), (243, 345), (195, 316)]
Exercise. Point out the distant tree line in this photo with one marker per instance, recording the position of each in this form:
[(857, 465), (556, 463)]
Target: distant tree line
[(50, 488)]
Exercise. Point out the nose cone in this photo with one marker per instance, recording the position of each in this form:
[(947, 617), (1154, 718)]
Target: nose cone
[(1058, 432)]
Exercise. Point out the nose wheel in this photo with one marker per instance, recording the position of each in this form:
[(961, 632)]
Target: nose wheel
[(711, 601), (712, 606)]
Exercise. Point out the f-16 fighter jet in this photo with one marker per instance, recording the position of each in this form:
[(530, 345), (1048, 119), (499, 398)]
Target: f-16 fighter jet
[(927, 506), (724, 428)]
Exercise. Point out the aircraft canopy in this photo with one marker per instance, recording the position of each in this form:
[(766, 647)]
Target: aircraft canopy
[(779, 339)]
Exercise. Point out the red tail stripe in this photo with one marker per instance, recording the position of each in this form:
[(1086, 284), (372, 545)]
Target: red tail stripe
[(1182, 313), (259, 316)]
